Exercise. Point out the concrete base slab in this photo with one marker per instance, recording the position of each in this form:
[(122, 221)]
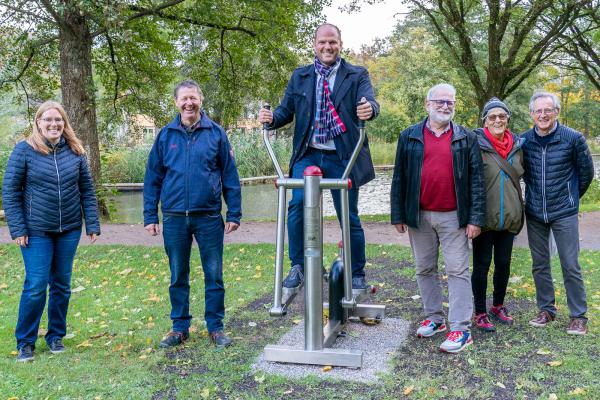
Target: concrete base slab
[(378, 344)]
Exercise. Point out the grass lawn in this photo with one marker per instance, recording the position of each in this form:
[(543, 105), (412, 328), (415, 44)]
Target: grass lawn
[(120, 310)]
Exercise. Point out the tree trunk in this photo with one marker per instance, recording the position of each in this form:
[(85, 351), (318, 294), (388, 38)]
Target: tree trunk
[(78, 92), (77, 85)]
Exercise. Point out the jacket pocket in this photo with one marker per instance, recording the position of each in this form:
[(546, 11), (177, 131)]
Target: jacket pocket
[(571, 201)]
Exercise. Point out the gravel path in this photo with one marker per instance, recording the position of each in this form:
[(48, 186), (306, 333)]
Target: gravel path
[(264, 232)]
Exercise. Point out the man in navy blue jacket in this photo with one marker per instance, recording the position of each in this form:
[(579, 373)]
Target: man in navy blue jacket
[(323, 97), (190, 166), (558, 171)]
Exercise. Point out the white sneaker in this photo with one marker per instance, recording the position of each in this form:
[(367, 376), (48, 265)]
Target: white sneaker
[(429, 328), (456, 341)]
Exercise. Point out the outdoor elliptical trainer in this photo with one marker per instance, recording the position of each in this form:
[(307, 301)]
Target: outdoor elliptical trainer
[(342, 298)]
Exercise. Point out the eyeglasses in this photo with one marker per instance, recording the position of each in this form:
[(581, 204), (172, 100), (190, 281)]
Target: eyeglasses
[(546, 111), (501, 117), (440, 103), (51, 120)]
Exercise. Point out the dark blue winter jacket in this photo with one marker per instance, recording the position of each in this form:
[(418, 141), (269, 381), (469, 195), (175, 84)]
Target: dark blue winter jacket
[(47, 193), (188, 172), (557, 175)]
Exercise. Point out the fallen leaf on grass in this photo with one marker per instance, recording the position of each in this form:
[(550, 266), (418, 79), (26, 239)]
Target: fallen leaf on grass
[(126, 271), (327, 368), (85, 343), (415, 297), (205, 393), (501, 385), (252, 324), (42, 332), (13, 353), (408, 390), (554, 363), (153, 297), (78, 289), (98, 335), (69, 336), (552, 396), (543, 352), (577, 391), (3, 286), (296, 321)]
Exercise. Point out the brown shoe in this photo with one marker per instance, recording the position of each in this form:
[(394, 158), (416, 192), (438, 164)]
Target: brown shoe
[(542, 319), (577, 326)]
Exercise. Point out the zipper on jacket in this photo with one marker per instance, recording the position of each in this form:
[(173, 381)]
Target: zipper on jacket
[(59, 194), (570, 195), (186, 181), (545, 212)]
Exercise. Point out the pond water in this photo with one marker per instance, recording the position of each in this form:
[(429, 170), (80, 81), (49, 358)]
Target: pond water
[(259, 202)]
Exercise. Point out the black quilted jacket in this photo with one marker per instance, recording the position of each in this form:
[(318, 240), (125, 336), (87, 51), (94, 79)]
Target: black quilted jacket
[(468, 177), (47, 193), (556, 176)]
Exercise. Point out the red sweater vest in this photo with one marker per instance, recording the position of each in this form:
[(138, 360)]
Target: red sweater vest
[(437, 175)]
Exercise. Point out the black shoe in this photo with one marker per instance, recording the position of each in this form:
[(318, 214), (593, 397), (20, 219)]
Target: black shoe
[(25, 353), (219, 339), (359, 282), (295, 277), (57, 346), (173, 339)]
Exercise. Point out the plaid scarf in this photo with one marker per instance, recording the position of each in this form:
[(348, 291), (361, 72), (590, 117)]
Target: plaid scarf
[(328, 123)]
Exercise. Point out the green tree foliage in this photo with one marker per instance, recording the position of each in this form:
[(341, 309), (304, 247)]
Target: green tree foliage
[(582, 43), (122, 56), (408, 64)]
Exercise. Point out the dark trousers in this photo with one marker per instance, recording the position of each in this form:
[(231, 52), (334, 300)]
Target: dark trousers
[(48, 264), (499, 244), (177, 235), (566, 235), (332, 167)]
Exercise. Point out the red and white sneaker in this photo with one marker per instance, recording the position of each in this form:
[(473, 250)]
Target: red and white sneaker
[(429, 328), (456, 341), (500, 314)]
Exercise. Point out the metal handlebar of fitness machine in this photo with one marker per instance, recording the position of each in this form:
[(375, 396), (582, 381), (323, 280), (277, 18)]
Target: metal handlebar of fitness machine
[(342, 298)]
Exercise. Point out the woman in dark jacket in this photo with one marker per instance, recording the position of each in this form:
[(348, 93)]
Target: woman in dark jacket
[(503, 167), (47, 186)]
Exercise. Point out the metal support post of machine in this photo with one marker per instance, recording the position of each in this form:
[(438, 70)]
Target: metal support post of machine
[(343, 301)]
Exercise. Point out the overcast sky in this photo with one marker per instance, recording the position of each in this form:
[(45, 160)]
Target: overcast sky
[(363, 27)]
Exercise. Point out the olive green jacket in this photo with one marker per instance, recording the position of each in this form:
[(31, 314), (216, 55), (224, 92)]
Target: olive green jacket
[(504, 211)]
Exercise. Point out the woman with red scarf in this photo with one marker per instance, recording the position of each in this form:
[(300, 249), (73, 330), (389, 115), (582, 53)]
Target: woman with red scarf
[(503, 167)]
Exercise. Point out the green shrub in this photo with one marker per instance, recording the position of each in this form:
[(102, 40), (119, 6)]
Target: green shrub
[(592, 196), (252, 158), (124, 165), (4, 153)]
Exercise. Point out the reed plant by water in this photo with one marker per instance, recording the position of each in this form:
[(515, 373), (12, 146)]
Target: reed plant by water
[(251, 156)]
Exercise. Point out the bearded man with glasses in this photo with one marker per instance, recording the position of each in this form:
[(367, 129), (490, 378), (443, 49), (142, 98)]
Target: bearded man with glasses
[(438, 195), (558, 171)]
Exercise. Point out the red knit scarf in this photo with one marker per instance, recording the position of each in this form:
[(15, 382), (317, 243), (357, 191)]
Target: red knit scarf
[(504, 146)]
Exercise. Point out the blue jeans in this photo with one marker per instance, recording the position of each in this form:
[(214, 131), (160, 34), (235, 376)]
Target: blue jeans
[(332, 167), (48, 263), (208, 231)]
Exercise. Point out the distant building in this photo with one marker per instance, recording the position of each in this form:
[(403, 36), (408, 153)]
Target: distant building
[(137, 130)]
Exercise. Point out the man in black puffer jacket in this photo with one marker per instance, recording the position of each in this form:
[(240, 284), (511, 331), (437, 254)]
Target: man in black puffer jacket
[(558, 171)]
